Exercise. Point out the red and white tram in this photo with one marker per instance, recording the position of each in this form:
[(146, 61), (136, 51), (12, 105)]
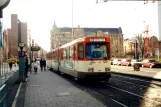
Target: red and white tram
[(83, 58)]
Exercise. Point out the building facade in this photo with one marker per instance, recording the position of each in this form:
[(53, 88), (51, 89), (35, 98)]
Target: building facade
[(153, 47), (13, 36), (17, 29), (24, 34), (60, 36)]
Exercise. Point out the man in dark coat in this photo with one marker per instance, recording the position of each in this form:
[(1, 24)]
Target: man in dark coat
[(44, 64), (26, 66), (41, 64)]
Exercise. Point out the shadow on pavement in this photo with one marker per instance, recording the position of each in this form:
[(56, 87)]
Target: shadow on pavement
[(134, 94), (11, 89)]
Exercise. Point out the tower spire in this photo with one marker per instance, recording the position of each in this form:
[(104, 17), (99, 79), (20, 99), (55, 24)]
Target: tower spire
[(54, 26)]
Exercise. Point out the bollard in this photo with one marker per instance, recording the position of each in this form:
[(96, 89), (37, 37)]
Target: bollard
[(3, 95)]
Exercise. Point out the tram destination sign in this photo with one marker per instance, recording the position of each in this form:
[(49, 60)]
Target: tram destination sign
[(97, 39)]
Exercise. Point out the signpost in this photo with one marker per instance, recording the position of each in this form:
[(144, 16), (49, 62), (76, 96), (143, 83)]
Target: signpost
[(35, 48)]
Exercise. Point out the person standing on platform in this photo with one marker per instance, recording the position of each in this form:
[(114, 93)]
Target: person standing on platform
[(35, 66), (10, 65), (26, 66), (41, 64), (44, 64)]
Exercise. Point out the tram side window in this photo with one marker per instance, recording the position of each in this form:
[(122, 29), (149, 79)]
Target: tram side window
[(80, 51), (66, 50), (74, 52), (64, 54), (61, 55), (54, 55), (70, 53)]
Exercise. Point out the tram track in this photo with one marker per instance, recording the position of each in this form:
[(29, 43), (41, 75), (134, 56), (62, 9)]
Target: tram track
[(135, 88), (139, 81), (159, 102), (125, 98), (119, 92), (129, 98)]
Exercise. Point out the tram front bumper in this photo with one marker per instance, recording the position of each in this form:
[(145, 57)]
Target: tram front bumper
[(84, 75)]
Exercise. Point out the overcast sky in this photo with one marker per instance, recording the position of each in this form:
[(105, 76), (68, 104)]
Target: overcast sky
[(40, 16)]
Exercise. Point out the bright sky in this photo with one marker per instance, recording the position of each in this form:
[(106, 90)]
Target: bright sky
[(40, 16)]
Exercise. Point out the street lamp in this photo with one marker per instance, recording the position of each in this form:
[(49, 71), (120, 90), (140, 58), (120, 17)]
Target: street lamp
[(3, 4), (21, 47), (21, 62)]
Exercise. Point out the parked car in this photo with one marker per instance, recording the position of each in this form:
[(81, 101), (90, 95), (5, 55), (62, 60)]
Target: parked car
[(116, 62), (151, 63), (133, 61), (126, 62)]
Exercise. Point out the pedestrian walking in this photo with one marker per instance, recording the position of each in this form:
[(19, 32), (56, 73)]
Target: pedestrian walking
[(35, 66), (44, 64), (26, 66), (15, 63), (10, 65), (41, 64)]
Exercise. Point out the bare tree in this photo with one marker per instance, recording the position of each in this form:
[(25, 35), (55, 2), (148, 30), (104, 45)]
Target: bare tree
[(141, 43)]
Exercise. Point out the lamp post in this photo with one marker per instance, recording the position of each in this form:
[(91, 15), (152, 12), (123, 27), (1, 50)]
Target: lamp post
[(21, 55), (21, 62), (72, 20), (136, 49)]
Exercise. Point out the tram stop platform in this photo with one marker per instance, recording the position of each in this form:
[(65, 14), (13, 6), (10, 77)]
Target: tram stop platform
[(48, 89)]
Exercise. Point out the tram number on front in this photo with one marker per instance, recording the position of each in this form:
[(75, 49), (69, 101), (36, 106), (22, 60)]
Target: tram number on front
[(97, 39)]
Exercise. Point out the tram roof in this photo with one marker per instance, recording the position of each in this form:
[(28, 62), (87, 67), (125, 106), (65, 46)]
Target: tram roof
[(70, 43), (73, 42)]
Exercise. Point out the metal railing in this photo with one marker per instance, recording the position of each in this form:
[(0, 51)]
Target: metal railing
[(3, 96), (5, 72)]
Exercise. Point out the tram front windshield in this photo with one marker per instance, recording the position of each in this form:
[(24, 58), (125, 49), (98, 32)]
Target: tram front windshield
[(97, 51)]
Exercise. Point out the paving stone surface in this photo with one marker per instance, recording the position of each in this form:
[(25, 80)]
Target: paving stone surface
[(47, 89)]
